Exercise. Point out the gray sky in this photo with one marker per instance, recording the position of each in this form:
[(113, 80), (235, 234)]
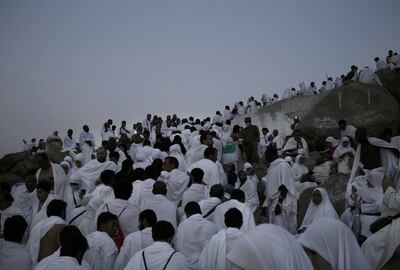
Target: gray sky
[(66, 63)]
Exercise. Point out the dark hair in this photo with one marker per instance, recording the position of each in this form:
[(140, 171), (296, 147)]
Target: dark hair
[(114, 154), (162, 231), (46, 186), (56, 208), (197, 175), (210, 151), (107, 177), (104, 218), (138, 174), (342, 122), (150, 172), (217, 191), (67, 230), (233, 218), (238, 194), (173, 160), (203, 137), (159, 187), (192, 208), (148, 215), (14, 228), (122, 189), (74, 244)]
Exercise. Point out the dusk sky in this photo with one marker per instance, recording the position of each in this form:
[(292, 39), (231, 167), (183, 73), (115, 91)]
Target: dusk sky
[(67, 63)]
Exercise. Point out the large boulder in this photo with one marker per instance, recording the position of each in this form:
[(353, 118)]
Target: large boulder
[(369, 106), (15, 167), (8, 161), (336, 188)]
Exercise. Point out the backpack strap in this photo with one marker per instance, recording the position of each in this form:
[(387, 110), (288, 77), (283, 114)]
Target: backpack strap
[(211, 211), (144, 260), (169, 259), (77, 216)]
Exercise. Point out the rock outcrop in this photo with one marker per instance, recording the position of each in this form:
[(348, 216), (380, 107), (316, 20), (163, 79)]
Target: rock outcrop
[(15, 167), (369, 106)]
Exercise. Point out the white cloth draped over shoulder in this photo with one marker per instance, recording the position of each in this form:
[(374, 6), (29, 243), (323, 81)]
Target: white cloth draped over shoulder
[(380, 247), (269, 247), (102, 251), (60, 180), (210, 169), (177, 182), (195, 153), (164, 209), (86, 149), (324, 209), (247, 213), (192, 236), (280, 173), (292, 144), (299, 169), (214, 254), (343, 162), (40, 230), (132, 244), (250, 192), (91, 171), (157, 256), (388, 159), (334, 242)]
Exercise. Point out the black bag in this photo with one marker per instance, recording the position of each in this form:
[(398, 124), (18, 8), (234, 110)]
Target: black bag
[(382, 222)]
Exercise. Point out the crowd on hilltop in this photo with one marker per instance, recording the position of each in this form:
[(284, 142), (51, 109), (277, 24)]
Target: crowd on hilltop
[(365, 75), (182, 193)]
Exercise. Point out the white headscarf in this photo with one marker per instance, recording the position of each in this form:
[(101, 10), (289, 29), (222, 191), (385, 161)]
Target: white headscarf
[(300, 169), (324, 209), (332, 140), (175, 149), (340, 150), (247, 166), (334, 242), (268, 246)]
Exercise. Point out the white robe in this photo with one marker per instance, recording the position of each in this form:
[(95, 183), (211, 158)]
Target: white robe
[(37, 216), (127, 214), (292, 144), (315, 212), (380, 247), (250, 192), (87, 150), (268, 247), (334, 242), (299, 169), (14, 256), (279, 173), (133, 243), (380, 64), (279, 142), (40, 230), (69, 143), (65, 262), (343, 164), (177, 182), (157, 256), (90, 172), (368, 76), (207, 205), (195, 153), (142, 190), (349, 131), (60, 180), (54, 261), (164, 209), (247, 213), (210, 169), (102, 251), (195, 193), (214, 254), (192, 236)]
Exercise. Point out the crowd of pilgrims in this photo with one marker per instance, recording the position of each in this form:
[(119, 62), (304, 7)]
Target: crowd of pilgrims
[(183, 194)]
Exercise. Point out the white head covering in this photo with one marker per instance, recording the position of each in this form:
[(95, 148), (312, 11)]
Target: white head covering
[(175, 149), (324, 209), (247, 166), (334, 242), (65, 163), (268, 246), (69, 160), (300, 169), (79, 157), (374, 177), (289, 160), (332, 140)]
